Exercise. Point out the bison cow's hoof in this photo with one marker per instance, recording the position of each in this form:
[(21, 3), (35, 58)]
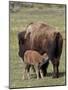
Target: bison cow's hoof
[(55, 76)]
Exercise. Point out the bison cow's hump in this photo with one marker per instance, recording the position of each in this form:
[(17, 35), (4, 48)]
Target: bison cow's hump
[(41, 30), (39, 26)]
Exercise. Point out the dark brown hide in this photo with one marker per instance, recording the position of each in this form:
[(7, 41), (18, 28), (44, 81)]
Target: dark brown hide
[(21, 41)]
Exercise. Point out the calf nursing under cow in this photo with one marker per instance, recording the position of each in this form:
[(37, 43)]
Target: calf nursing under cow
[(44, 39), (35, 59)]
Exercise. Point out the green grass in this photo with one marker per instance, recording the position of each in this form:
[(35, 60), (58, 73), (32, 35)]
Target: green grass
[(18, 21)]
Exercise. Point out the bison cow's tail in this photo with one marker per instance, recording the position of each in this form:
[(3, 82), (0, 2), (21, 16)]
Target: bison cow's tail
[(58, 45)]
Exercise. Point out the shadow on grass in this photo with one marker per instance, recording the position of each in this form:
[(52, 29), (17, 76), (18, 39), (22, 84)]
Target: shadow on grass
[(49, 74), (61, 74)]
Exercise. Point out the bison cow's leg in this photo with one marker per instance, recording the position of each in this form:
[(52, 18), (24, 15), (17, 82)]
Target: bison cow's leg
[(55, 68), (44, 68)]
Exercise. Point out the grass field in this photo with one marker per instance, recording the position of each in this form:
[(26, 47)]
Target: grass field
[(18, 21)]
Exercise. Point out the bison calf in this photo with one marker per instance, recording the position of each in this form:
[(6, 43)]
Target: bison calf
[(35, 59)]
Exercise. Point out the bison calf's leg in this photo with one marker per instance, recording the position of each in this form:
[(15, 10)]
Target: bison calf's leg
[(37, 71), (27, 71), (41, 73), (26, 74)]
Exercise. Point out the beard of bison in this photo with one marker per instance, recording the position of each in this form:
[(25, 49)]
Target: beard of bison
[(24, 45)]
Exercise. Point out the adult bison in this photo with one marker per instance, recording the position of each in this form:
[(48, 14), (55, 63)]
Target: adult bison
[(44, 39)]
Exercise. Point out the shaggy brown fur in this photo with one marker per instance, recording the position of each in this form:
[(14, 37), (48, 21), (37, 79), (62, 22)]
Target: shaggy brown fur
[(44, 39), (32, 27)]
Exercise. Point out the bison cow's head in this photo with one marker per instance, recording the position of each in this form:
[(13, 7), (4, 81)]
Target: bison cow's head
[(21, 41)]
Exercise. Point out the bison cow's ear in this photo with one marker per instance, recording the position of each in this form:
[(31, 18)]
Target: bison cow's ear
[(58, 34), (21, 38)]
